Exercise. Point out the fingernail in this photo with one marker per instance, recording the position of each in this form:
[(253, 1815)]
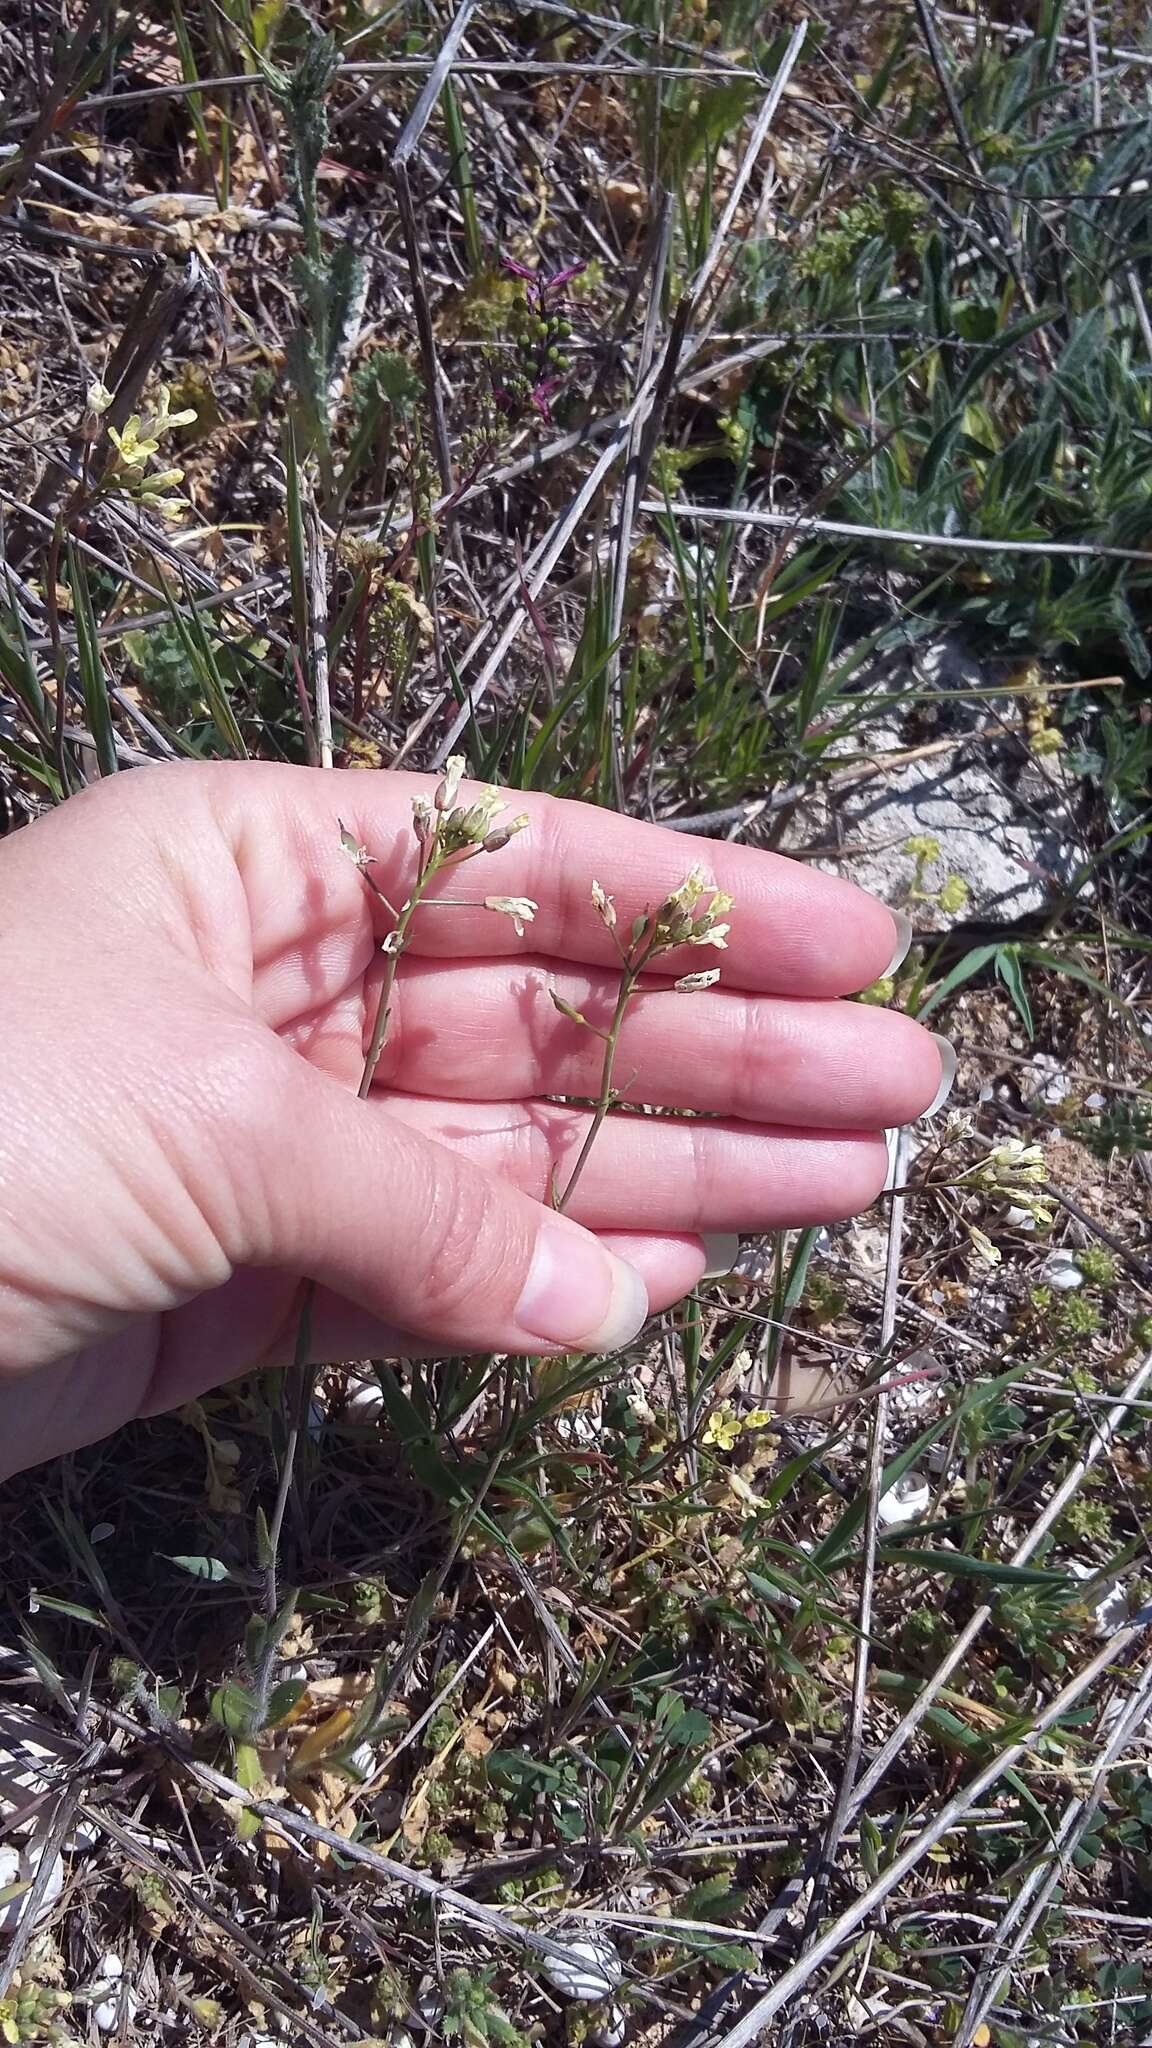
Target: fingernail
[(721, 1249), (903, 924), (947, 1051), (579, 1295)]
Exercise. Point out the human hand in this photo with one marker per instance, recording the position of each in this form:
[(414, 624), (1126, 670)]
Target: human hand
[(188, 966)]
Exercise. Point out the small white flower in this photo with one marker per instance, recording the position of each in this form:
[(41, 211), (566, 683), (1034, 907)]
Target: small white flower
[(603, 906), (97, 398), (707, 978), (711, 935), (520, 909)]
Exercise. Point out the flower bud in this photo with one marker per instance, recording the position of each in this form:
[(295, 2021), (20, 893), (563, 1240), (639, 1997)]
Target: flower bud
[(568, 1010), (453, 774), (604, 907)]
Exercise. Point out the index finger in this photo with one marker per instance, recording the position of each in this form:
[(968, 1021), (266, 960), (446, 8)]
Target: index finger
[(792, 929)]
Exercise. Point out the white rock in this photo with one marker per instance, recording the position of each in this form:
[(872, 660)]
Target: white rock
[(592, 1969), (578, 1425), (117, 2011), (1095, 1100), (114, 2002), (1052, 1083), (19, 1864), (1061, 1271), (1110, 1609), (997, 841), (611, 2030), (910, 1498), (1020, 1219), (366, 1401)]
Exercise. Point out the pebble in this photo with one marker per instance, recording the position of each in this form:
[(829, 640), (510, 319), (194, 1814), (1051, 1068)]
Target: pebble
[(19, 1864), (1054, 1084), (905, 1502), (1110, 1609), (1061, 1271), (1020, 1219), (116, 2002), (611, 2030), (366, 1401), (591, 1970)]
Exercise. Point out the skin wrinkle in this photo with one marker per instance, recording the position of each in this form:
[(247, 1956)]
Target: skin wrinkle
[(453, 1230)]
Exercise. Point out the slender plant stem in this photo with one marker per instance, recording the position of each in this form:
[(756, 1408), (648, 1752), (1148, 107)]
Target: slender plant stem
[(387, 986), (633, 968)]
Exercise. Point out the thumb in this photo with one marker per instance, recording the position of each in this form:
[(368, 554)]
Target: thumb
[(420, 1236)]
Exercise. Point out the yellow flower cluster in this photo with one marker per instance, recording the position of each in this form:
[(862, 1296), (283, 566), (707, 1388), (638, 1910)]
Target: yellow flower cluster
[(724, 1427), (138, 443)]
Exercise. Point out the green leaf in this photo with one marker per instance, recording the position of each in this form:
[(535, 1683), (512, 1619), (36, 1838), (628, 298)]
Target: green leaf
[(95, 683), (424, 1454), (30, 764), (210, 1568), (963, 971), (247, 1767), (234, 1708), (71, 1608), (284, 1698), (834, 1547), (1073, 969), (957, 1564), (20, 672), (1008, 969), (201, 658)]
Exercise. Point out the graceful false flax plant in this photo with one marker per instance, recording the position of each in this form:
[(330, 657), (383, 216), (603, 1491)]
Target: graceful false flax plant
[(447, 835), (693, 915)]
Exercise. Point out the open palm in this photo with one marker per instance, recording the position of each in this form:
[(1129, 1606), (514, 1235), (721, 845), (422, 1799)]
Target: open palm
[(189, 967)]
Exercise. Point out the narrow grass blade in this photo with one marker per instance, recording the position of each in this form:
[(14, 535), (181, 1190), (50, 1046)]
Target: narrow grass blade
[(93, 680)]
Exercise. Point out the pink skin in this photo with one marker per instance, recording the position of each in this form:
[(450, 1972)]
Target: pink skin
[(188, 965)]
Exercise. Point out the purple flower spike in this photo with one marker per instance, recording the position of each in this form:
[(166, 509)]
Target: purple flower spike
[(541, 394), (538, 286)]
